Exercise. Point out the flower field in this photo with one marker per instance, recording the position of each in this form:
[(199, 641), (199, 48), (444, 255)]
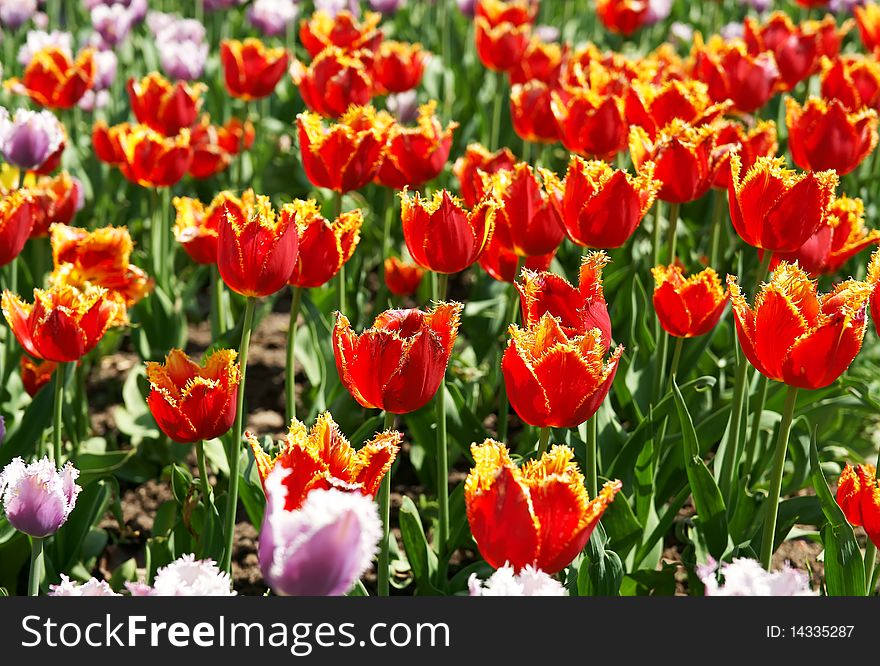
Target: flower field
[(439, 297)]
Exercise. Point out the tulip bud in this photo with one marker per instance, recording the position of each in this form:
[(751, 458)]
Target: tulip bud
[(37, 498)]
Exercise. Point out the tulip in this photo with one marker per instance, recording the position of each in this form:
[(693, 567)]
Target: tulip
[(795, 48), (111, 23), (500, 47), (182, 48), (215, 146), (531, 111), (196, 227), (745, 577), (539, 356), (475, 160), (192, 402), (441, 235), (334, 81), (257, 248), (682, 157), (272, 17), (759, 141), (823, 135), (17, 214), (16, 13), (795, 336), (402, 278), (505, 582), (859, 498), (688, 307), (344, 31), (526, 219), (501, 262), (853, 80), (37, 497), (322, 458), (398, 66), (578, 309), (324, 246), (54, 80), (164, 106), (589, 217), (731, 73), (590, 123), (868, 22), (347, 156), (322, 548), (541, 61), (250, 70), (840, 237), (149, 159), (30, 139), (35, 374), (63, 324), (515, 513), (653, 107), (777, 209), (55, 199), (398, 363), (416, 155), (623, 17), (186, 577), (91, 588)]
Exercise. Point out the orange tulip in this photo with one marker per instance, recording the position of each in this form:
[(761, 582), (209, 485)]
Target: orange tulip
[(749, 144), (398, 66), (100, 257), (590, 217), (796, 336), (688, 307), (868, 22), (36, 374), (823, 135), (532, 113), (777, 209), (257, 248), (854, 80), (840, 237), (197, 227), (250, 70), (346, 156), (323, 458), (653, 107), (554, 380), (682, 157), (402, 278), (501, 262), (579, 309), (399, 362), (17, 214), (541, 61), (478, 159), (796, 48), (590, 123), (192, 402), (859, 497), (344, 31), (441, 235), (55, 81), (731, 73), (416, 155), (165, 106), (335, 80), (539, 515), (527, 218), (623, 17), (64, 323), (324, 246)]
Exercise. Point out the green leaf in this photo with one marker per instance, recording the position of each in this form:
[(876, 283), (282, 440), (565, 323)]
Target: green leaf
[(422, 559), (711, 512), (621, 525), (601, 570), (91, 505)]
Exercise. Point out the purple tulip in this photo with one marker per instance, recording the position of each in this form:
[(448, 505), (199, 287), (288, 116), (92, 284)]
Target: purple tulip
[(112, 23), (386, 7), (186, 577), (183, 60), (547, 33), (137, 9), (841, 6), (91, 100), (323, 547), (92, 588), (758, 5), (404, 106), (15, 13), (681, 33), (105, 69), (29, 138), (745, 577), (658, 10), (272, 17), (333, 7), (37, 498), (466, 7), (37, 40), (215, 5)]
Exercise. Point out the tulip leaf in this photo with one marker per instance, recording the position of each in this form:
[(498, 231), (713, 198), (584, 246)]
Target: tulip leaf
[(844, 566), (422, 559), (24, 440), (711, 512), (91, 505)]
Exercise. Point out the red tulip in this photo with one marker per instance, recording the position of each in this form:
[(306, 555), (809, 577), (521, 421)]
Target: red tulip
[(688, 307), (344, 31), (164, 106), (324, 246), (402, 278), (250, 70), (334, 81), (17, 213), (475, 160), (398, 66)]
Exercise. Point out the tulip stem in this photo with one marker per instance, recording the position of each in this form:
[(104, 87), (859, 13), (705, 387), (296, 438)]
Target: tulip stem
[(385, 515), (510, 318), (233, 454), (717, 215), (60, 372), (440, 280), (337, 211), (776, 477), (495, 128), (207, 490), (218, 311), (655, 233), (290, 375), (763, 270), (592, 467), (734, 425), (755, 430), (676, 358), (671, 235), (543, 440), (36, 572)]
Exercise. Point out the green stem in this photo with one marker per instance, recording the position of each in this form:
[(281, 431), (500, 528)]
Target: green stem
[(6, 355), (442, 451), (218, 309), (290, 374), (389, 217), (385, 514), (676, 358), (660, 375), (734, 425), (234, 453), (763, 270), (527, 152), (510, 318), (337, 211), (720, 199), (755, 430), (592, 466), (655, 234), (495, 128), (36, 572), (671, 235), (60, 372), (776, 478), (543, 440), (207, 490)]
